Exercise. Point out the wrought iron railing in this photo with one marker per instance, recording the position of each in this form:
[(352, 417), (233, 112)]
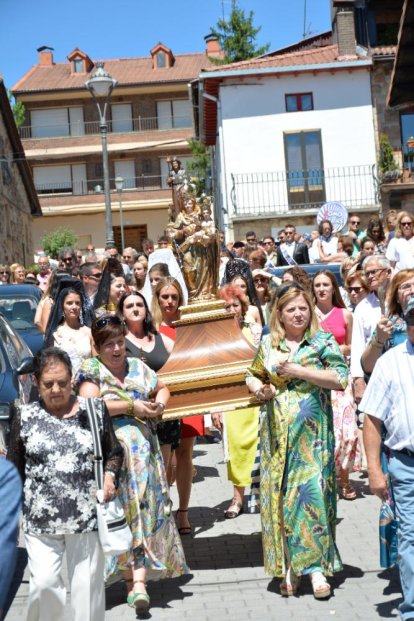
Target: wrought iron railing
[(115, 126), (96, 186), (273, 193)]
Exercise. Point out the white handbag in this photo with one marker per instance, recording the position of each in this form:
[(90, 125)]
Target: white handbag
[(114, 533)]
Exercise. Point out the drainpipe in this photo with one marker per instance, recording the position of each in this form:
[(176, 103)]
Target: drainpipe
[(223, 216)]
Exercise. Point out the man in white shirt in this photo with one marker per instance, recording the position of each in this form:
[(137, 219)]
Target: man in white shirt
[(367, 314), (44, 272), (388, 401)]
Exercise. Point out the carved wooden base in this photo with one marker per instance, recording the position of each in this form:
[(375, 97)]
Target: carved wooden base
[(206, 370)]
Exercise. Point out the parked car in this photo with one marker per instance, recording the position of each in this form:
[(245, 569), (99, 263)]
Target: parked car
[(311, 269), (16, 365), (18, 304)]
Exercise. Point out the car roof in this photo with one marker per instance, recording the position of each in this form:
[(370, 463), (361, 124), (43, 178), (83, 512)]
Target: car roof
[(18, 290)]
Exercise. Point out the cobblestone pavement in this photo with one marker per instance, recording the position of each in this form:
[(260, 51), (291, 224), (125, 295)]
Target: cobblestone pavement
[(225, 556)]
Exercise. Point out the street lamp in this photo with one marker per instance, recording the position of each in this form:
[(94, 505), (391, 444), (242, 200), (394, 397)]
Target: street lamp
[(100, 86), (119, 184)]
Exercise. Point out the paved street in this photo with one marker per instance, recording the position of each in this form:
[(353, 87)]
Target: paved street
[(227, 580)]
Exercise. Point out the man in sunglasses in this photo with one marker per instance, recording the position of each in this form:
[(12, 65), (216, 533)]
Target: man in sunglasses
[(90, 275), (378, 272), (388, 404), (355, 232), (67, 259)]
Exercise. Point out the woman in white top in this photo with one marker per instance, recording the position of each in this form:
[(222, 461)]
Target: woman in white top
[(326, 245), (400, 251)]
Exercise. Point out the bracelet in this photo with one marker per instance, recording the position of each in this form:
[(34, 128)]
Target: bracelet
[(130, 409), (378, 343), (162, 405), (113, 475)]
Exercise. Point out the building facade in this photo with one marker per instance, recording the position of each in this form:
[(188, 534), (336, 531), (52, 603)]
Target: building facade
[(149, 119), (20, 207)]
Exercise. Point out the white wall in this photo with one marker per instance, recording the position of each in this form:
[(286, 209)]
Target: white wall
[(254, 119)]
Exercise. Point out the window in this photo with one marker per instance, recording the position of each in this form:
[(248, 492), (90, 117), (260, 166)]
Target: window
[(304, 168), (78, 65), (299, 102), (121, 117), (65, 179), (126, 170), (146, 167), (407, 131), (161, 60), (174, 114), (57, 122)]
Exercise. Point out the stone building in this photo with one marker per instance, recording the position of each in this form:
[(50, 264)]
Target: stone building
[(18, 198)]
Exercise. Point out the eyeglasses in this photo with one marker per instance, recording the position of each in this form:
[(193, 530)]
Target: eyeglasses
[(369, 273), (68, 260), (355, 289), (259, 280), (251, 240), (4, 272), (105, 321), (61, 383), (406, 224), (97, 275), (407, 286), (355, 221), (289, 232)]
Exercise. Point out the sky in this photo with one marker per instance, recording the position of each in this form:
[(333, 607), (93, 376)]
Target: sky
[(129, 28)]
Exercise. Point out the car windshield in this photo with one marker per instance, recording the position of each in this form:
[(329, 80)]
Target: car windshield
[(19, 310)]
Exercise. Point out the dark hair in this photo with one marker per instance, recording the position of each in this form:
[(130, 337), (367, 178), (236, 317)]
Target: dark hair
[(148, 325), (163, 238), (376, 223), (86, 268), (107, 327), (336, 294), (269, 237), (347, 244), (238, 244), (250, 233), (320, 227), (300, 277), (162, 268), (47, 357), (365, 240)]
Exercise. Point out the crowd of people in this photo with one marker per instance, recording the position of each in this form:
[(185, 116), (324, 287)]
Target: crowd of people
[(319, 375)]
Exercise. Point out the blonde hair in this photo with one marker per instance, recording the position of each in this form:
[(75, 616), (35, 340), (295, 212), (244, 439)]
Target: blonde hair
[(277, 329), (398, 227), (156, 312)]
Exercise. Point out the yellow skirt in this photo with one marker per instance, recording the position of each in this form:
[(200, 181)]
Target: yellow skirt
[(242, 428)]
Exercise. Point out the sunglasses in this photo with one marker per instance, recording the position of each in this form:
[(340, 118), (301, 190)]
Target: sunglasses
[(355, 221), (369, 273), (354, 289), (259, 280), (406, 224), (68, 260), (97, 276), (4, 272), (110, 320)]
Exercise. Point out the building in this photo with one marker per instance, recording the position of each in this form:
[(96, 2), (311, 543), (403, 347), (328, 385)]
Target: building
[(18, 199), (149, 119)]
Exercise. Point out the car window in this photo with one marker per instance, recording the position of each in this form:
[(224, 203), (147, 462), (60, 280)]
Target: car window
[(15, 348), (19, 310)]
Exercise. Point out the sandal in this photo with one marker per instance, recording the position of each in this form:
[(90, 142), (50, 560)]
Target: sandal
[(348, 492), (290, 584), (320, 586), (234, 510), (140, 600), (183, 530)]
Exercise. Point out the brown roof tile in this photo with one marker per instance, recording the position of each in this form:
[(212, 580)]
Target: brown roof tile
[(314, 56), (383, 50), (128, 71)]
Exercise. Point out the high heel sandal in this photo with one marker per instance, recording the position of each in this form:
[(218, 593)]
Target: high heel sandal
[(234, 510), (289, 586), (183, 530), (320, 586), (140, 600)]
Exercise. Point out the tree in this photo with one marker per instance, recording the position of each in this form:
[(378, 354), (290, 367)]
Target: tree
[(199, 166), (237, 36), (58, 239), (18, 109)]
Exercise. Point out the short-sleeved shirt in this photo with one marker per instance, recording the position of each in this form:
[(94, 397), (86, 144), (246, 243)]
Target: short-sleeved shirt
[(390, 396)]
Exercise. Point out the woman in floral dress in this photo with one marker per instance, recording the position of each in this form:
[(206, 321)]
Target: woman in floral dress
[(295, 369), (135, 397)]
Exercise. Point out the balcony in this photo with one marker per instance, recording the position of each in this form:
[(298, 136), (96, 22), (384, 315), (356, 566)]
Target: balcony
[(92, 128), (95, 186), (283, 192)]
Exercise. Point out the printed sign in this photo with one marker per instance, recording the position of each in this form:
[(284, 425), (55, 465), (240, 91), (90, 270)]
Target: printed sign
[(336, 213)]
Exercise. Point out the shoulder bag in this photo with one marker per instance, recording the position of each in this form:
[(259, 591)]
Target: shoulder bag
[(114, 533)]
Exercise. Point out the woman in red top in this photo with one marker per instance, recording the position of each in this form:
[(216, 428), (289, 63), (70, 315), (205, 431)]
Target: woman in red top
[(166, 302), (336, 319)]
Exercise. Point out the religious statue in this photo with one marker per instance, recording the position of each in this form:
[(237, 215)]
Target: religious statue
[(176, 180), (196, 241)]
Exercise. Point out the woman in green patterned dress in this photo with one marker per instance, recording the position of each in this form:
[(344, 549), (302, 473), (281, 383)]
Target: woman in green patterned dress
[(296, 367)]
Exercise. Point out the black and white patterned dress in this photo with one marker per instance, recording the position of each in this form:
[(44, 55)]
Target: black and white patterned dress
[(55, 459)]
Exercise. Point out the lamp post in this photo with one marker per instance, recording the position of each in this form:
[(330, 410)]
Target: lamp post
[(100, 86), (119, 184)]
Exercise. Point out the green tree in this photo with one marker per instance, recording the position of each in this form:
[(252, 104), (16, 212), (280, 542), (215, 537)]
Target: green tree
[(18, 109), (237, 36), (58, 239), (199, 166)]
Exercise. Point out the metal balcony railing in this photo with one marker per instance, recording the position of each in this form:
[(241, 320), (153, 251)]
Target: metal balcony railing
[(96, 186), (273, 193), (408, 158), (115, 126)]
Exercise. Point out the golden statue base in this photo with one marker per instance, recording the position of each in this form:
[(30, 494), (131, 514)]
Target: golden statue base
[(207, 367)]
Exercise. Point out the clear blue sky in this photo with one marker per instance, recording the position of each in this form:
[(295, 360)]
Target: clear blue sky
[(125, 28)]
